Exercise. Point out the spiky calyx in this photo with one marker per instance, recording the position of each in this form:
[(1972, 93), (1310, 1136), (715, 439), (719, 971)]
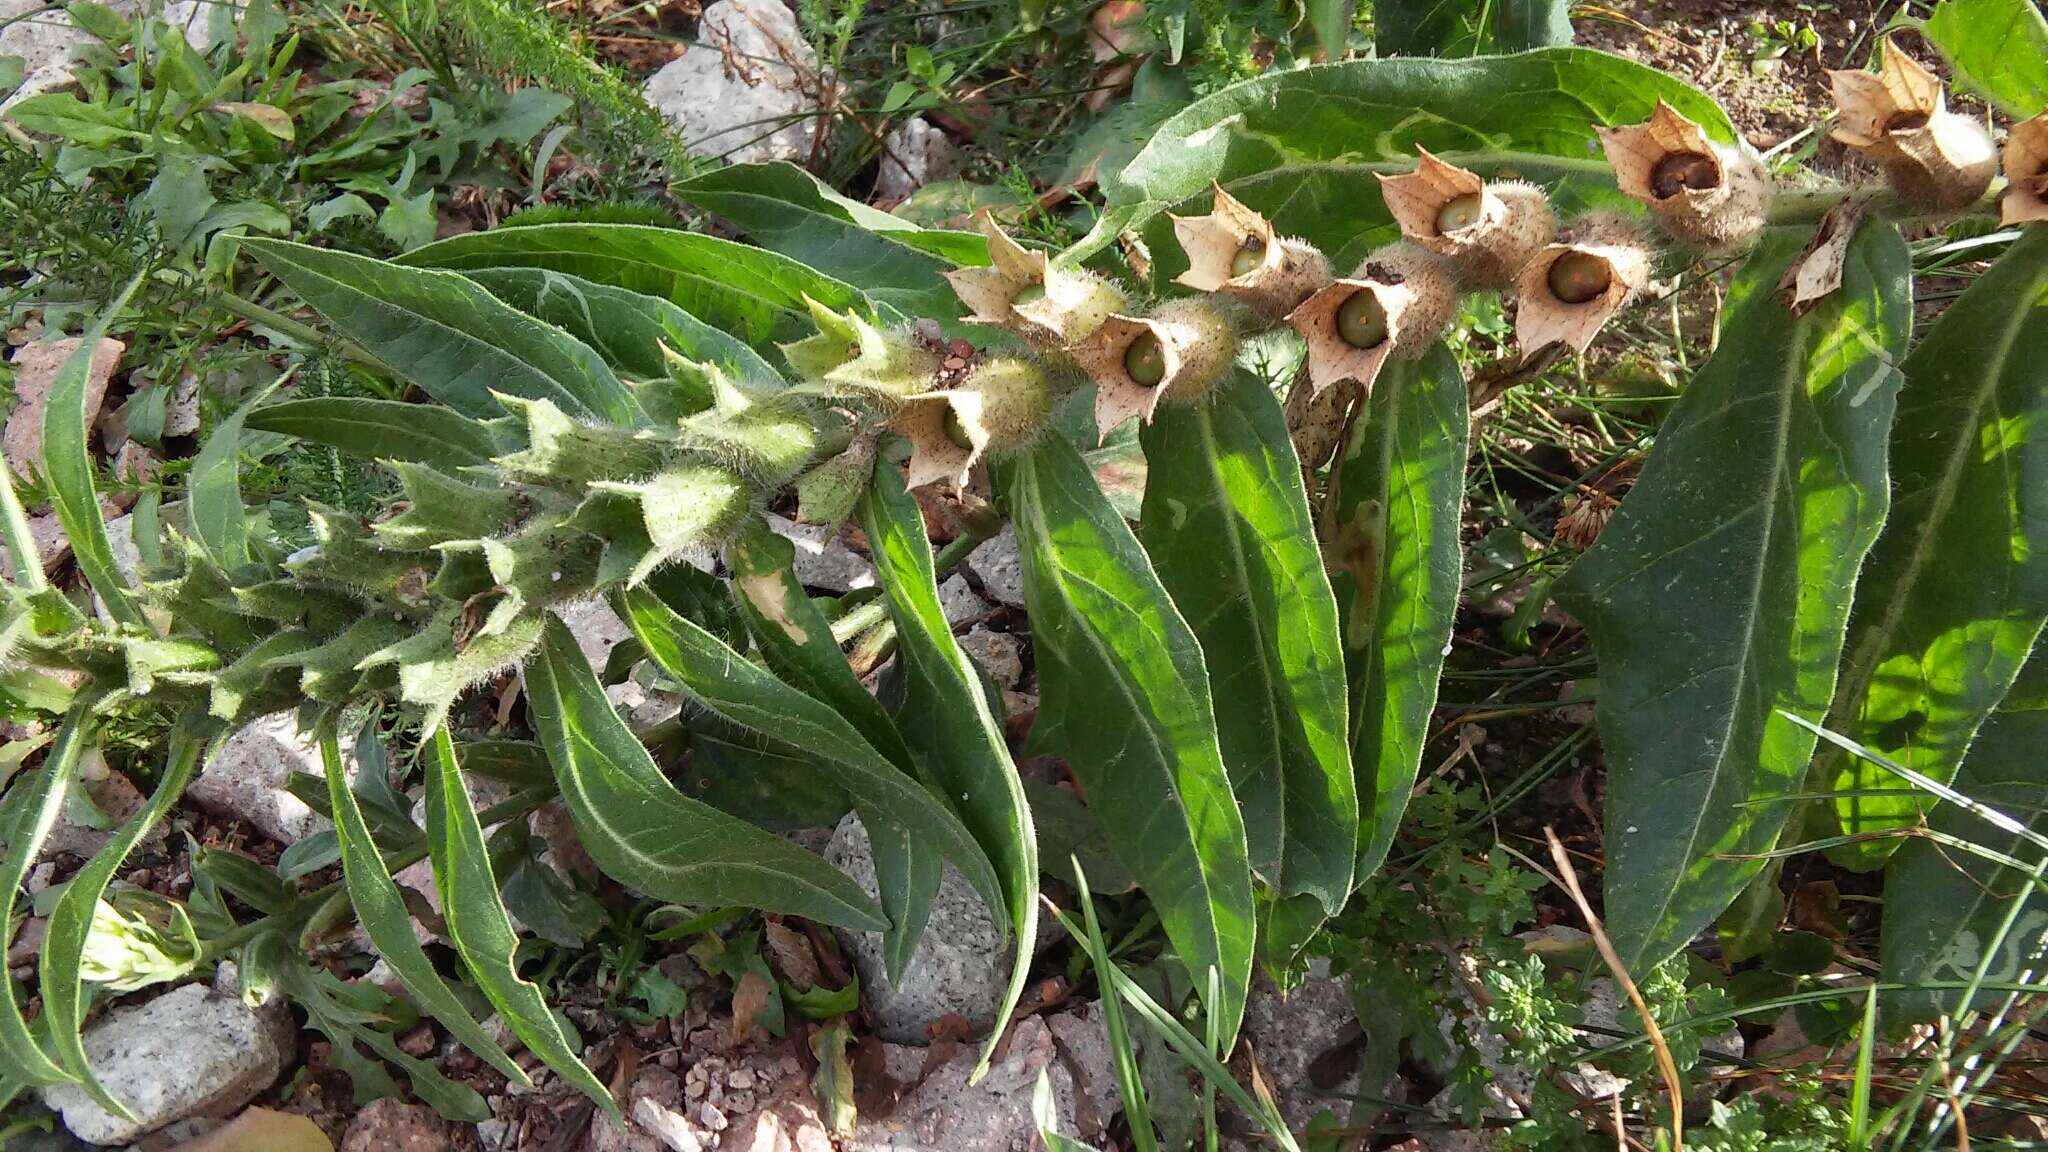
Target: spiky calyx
[(1233, 250), (1020, 290), (1002, 405), (1704, 193), (1393, 306), (1572, 288), (851, 359), (1486, 230), (2025, 200), (1176, 354), (1898, 118)]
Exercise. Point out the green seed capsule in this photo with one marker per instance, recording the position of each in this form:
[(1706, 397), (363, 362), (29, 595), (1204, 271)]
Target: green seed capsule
[(1361, 322), (1459, 212), (1145, 360), (1029, 294), (1577, 277), (956, 431), (1250, 256)]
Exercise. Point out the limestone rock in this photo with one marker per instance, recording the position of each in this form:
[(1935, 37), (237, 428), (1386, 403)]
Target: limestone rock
[(999, 568), (946, 1114), (1295, 1033), (913, 155), (247, 778), (959, 601), (387, 1125), (745, 92), (35, 369)]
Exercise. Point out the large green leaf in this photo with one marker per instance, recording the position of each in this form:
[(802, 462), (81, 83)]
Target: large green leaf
[(382, 429), (752, 293), (383, 914), (1468, 27), (35, 812), (1956, 588), (646, 834), (1395, 564), (740, 692), (1227, 524), (784, 208), (68, 467), (1997, 48), (482, 934), (1719, 593), (1943, 906), (1303, 145), (949, 721), (448, 335), (1122, 684)]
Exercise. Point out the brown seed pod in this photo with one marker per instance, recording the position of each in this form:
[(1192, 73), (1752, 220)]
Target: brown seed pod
[(1935, 159), (1022, 291), (1394, 305), (1486, 230), (1571, 289), (1176, 354), (2026, 173), (1002, 405), (1233, 250), (1702, 192)]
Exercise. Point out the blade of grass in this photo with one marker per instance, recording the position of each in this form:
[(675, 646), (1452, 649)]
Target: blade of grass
[(1859, 1092), (1137, 1110)]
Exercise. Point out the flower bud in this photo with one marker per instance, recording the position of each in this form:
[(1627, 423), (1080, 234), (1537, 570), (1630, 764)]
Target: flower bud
[(1177, 353), (1233, 250), (1703, 193), (1022, 291), (1002, 405), (1394, 305), (1486, 230), (1934, 158), (850, 358), (2026, 173), (1573, 287), (137, 939)]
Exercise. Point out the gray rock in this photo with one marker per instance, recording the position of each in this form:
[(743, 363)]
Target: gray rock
[(189, 1052), (45, 43), (947, 1114), (822, 559), (391, 1125), (247, 778), (1292, 1033), (1082, 1040), (959, 601), (999, 653), (656, 1092), (959, 967), (914, 155), (999, 568), (746, 91)]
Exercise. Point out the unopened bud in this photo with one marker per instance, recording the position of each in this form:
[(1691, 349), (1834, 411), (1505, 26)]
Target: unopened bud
[(2026, 173), (850, 358), (1486, 230), (1176, 354), (1934, 158), (1233, 250), (1704, 193), (1001, 406), (137, 939), (1572, 288), (1022, 291), (1394, 305)]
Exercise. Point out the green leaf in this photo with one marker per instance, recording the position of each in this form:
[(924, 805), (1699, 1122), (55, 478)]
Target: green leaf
[(726, 684), (1956, 588), (68, 468), (1227, 525), (949, 722), (447, 334), (482, 935), (1395, 560), (35, 811), (1468, 27), (788, 210), (1997, 49), (1718, 595), (213, 491), (68, 118), (383, 915), (1943, 907), (652, 838), (752, 293), (1304, 145), (382, 429), (1121, 680), (537, 896)]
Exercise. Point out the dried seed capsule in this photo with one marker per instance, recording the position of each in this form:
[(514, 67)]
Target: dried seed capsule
[(1175, 355), (1573, 287), (1002, 405), (1233, 250), (2026, 173), (1397, 302), (1486, 230), (1022, 291), (1702, 192), (1934, 158)]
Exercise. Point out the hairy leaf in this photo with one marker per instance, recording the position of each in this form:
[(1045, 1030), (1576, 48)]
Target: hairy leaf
[(382, 429), (213, 491), (1718, 594), (34, 813), (1956, 588), (68, 467), (1998, 49), (1121, 681), (1468, 27)]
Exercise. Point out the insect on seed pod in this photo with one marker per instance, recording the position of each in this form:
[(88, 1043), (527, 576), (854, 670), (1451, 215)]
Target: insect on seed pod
[(1898, 117), (2026, 173), (1703, 193), (1022, 291), (1397, 302), (1570, 290), (1233, 250), (1176, 354), (1486, 230), (1002, 405)]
